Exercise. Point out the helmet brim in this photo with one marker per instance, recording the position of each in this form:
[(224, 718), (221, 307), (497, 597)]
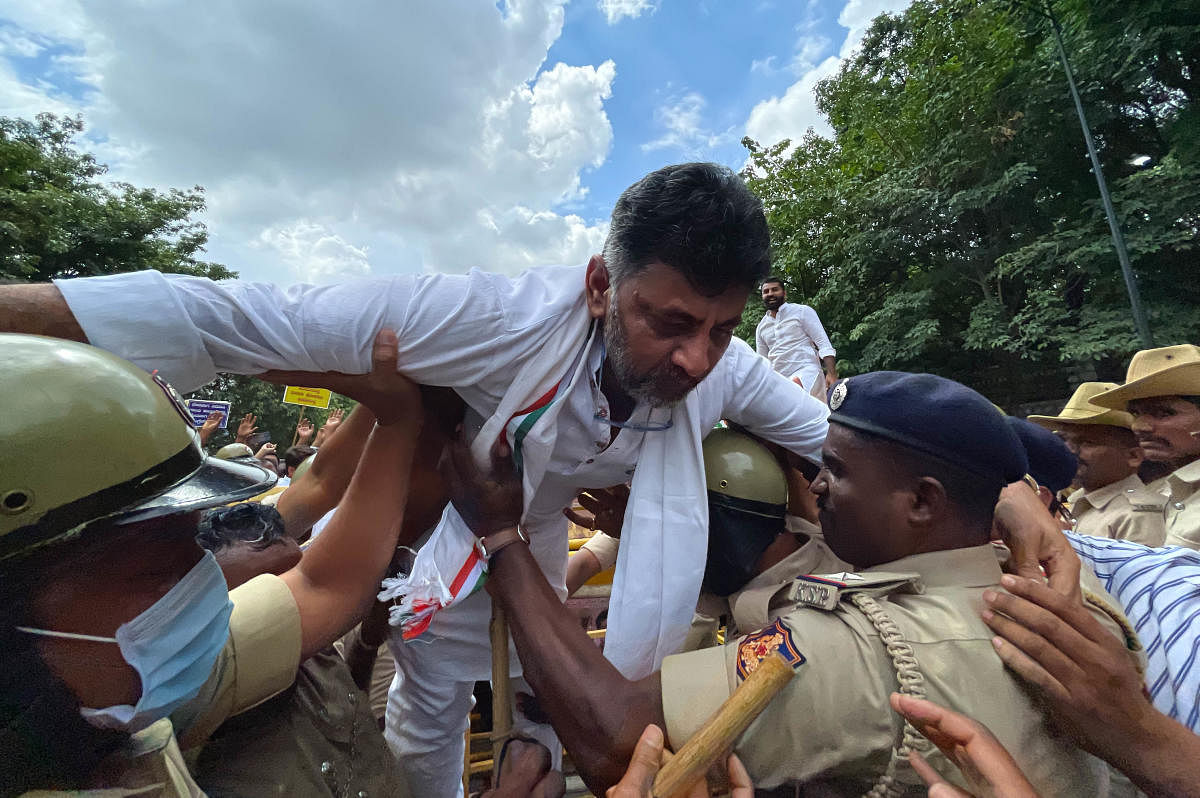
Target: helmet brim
[(214, 483)]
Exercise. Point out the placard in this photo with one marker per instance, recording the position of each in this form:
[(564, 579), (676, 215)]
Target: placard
[(200, 408), (310, 397)]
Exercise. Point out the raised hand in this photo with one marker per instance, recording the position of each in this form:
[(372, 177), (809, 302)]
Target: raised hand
[(304, 431), (266, 449), (246, 428), (330, 426), (210, 425)]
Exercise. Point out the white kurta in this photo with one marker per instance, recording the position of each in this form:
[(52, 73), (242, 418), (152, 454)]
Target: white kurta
[(794, 340), (471, 332)]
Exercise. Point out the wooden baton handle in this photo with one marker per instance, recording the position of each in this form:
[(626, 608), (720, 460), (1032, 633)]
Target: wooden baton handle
[(717, 734)]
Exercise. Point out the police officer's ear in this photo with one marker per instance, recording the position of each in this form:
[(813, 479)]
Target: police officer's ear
[(927, 501), (596, 285)]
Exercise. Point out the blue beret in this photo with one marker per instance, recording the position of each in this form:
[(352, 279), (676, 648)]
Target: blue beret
[(935, 416), (1051, 463)]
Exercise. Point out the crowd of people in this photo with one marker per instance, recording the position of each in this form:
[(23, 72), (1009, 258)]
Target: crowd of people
[(971, 603)]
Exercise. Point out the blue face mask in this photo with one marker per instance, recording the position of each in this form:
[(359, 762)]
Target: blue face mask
[(173, 645)]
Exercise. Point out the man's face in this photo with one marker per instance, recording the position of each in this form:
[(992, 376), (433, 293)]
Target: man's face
[(857, 500), (96, 589), (773, 295), (1164, 426), (1106, 454), (662, 337)]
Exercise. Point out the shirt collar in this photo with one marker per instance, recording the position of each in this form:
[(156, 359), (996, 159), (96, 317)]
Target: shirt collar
[(1189, 474), (1100, 497), (975, 566)]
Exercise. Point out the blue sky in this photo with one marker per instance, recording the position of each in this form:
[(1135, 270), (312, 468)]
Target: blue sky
[(382, 137)]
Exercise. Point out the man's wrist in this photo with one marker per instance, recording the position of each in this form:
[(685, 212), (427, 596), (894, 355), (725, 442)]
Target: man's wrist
[(493, 543), (1154, 751)]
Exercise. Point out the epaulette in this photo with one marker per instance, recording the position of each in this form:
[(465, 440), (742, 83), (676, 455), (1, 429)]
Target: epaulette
[(824, 591), (1145, 501), (1133, 643)]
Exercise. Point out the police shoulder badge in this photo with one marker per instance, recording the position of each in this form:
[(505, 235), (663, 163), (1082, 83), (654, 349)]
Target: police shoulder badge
[(758, 646), (838, 395)]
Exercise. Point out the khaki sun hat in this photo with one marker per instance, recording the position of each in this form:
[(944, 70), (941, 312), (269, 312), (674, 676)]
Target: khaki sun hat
[(1166, 371), (1080, 409)]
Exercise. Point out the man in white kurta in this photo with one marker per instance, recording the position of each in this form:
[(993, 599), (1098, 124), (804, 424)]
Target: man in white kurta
[(792, 337), (498, 341)]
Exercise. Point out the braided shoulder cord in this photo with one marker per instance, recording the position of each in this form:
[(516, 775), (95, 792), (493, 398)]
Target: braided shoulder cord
[(912, 682)]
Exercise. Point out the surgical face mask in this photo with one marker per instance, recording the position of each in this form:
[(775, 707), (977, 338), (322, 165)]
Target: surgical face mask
[(172, 645), (739, 531)]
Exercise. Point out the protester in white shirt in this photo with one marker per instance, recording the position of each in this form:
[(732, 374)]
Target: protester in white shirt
[(585, 385), (792, 338)]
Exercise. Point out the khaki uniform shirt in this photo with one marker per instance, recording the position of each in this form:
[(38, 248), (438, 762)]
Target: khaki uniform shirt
[(1183, 506), (832, 728), (316, 739), (747, 609), (1124, 510), (259, 660)]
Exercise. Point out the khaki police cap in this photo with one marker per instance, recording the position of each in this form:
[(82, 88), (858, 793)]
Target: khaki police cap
[(88, 439), (1080, 409), (1166, 371), (740, 467), (231, 451)]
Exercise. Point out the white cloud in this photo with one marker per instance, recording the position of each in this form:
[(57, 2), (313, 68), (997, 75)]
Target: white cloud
[(764, 66), (14, 43), (616, 10), (684, 130), (315, 254), (793, 113), (323, 132)]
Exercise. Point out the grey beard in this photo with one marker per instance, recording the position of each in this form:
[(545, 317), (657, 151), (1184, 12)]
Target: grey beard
[(616, 345)]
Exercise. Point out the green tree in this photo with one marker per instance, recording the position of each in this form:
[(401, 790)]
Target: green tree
[(952, 224), (59, 219)]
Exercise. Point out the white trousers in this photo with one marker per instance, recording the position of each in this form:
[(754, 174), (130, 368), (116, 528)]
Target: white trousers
[(427, 716)]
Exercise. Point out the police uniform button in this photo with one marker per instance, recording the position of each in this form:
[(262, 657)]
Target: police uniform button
[(353, 697), (1177, 505), (589, 461), (326, 768), (1131, 490), (362, 794)]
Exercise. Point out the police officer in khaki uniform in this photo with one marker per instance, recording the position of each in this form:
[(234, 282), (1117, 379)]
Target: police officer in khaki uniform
[(1112, 501), (119, 629), (754, 547), (1162, 393), (913, 466)]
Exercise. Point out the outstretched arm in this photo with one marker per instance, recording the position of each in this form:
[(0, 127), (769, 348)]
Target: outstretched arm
[(598, 713), (308, 499), (38, 309), (339, 574)]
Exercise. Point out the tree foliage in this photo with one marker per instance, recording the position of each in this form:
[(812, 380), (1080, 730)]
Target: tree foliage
[(59, 219), (952, 223)]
